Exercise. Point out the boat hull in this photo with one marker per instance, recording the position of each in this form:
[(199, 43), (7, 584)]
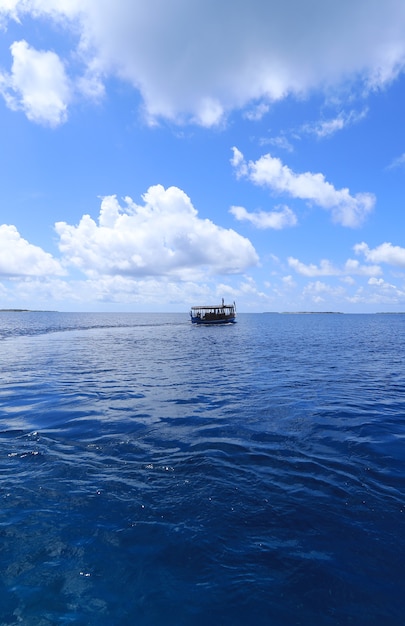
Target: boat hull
[(202, 322)]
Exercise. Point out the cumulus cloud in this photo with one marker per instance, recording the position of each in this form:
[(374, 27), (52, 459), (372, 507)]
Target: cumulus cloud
[(326, 268), (384, 253), (268, 171), (20, 258), (197, 61), (318, 290), (37, 85), (379, 282), (384, 292), (162, 237), (281, 218)]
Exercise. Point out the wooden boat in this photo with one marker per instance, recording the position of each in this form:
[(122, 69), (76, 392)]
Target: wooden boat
[(219, 314)]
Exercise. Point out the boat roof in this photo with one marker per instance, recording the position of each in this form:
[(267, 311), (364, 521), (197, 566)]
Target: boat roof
[(214, 306)]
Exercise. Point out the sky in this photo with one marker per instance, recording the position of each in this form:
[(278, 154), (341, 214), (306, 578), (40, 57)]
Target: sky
[(163, 154)]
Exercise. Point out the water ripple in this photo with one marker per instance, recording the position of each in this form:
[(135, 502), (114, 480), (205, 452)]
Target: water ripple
[(155, 473)]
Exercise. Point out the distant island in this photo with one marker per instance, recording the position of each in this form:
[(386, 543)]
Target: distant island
[(330, 313), (25, 311), (312, 313), (305, 312)]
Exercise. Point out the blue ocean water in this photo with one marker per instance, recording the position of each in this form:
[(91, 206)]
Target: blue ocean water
[(158, 473)]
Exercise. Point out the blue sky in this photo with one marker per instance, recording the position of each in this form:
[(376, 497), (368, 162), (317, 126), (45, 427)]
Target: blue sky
[(160, 155)]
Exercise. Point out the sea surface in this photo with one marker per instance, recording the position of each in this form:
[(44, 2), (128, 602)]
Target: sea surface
[(153, 472)]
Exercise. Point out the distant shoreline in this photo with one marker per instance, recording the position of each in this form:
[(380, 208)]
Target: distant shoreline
[(331, 313), (305, 312), (25, 311)]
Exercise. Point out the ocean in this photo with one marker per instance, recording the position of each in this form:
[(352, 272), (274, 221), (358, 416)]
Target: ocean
[(155, 472)]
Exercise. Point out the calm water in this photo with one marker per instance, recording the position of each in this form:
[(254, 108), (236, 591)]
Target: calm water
[(156, 473)]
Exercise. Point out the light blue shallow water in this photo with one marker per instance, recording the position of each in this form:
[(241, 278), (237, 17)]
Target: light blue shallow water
[(154, 472)]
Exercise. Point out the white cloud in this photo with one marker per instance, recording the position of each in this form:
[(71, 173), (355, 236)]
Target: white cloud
[(20, 258), (348, 280), (283, 217), (38, 85), (239, 163), (112, 292), (257, 112), (270, 172), (197, 61), (318, 291), (353, 267), (386, 291), (381, 283), (399, 162), (162, 237), (326, 128), (280, 142), (289, 282), (326, 268), (376, 281), (384, 253)]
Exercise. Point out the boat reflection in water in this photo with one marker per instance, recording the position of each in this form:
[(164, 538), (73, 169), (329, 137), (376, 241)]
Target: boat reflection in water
[(219, 314)]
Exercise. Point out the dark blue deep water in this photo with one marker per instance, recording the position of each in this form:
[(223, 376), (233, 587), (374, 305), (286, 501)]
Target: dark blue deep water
[(157, 473)]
